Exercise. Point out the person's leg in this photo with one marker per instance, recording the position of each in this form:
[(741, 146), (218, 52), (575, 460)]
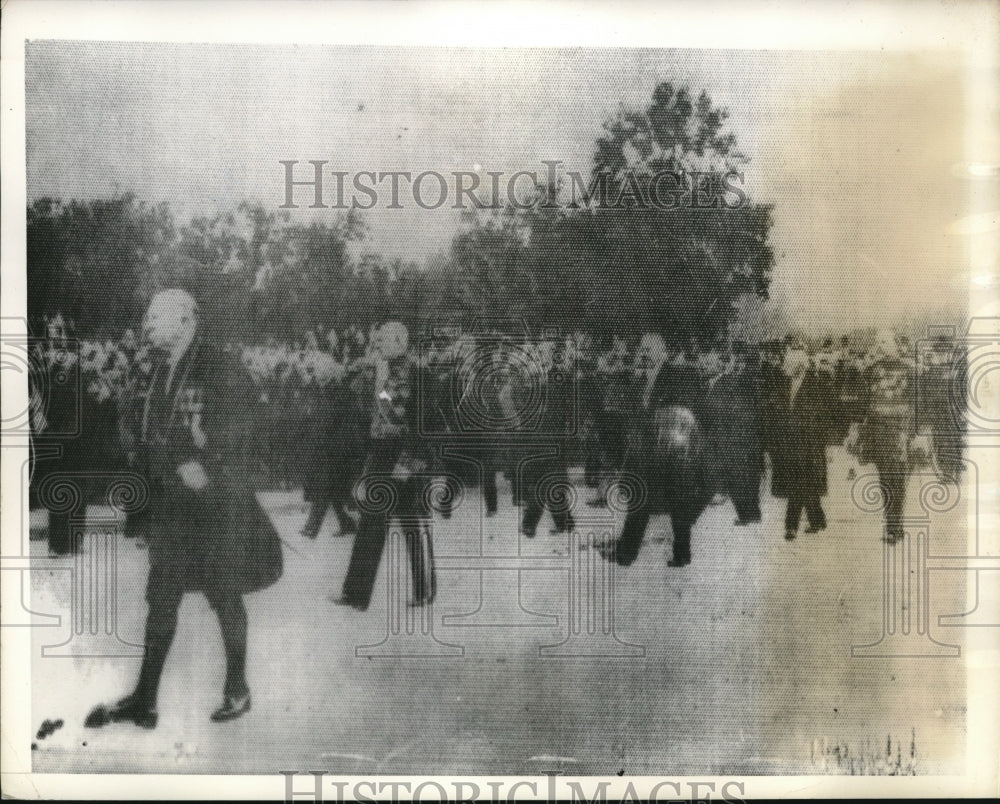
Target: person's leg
[(793, 512), (369, 544), (626, 548), (516, 484), (531, 474), (431, 567), (744, 491), (317, 513), (490, 484), (893, 477), (164, 591), (341, 494), (815, 514), (593, 455), (366, 555), (559, 506), (512, 472), (60, 533), (232, 614), (532, 515), (421, 552), (137, 524), (681, 521)]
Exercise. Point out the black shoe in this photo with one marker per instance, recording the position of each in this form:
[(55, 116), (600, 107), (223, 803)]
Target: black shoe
[(490, 512), (127, 710), (609, 552), (678, 562), (529, 533), (814, 528), (343, 600), (311, 529), (789, 535), (424, 601), (232, 707)]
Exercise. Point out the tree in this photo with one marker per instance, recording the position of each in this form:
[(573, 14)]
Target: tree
[(678, 270), (88, 259), (622, 263)]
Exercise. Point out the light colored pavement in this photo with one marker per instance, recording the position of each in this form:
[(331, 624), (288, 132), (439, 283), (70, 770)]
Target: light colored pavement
[(740, 663)]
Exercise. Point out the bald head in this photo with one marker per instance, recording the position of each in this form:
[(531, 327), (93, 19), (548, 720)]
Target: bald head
[(392, 340), (886, 344), (652, 351), (171, 320)]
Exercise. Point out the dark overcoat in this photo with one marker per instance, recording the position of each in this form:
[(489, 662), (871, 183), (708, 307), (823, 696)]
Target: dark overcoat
[(335, 449), (666, 441), (798, 439), (217, 539), (732, 419)]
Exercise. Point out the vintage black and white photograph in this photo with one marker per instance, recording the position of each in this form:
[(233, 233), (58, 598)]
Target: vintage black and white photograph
[(549, 413)]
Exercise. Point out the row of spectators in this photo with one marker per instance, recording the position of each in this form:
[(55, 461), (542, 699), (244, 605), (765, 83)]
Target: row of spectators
[(78, 385)]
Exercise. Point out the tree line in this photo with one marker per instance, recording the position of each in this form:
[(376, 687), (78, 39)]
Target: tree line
[(624, 268)]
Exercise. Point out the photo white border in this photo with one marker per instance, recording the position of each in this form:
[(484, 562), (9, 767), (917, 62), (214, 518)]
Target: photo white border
[(971, 28)]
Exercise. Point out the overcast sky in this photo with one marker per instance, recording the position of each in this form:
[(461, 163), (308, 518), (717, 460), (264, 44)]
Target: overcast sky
[(855, 150)]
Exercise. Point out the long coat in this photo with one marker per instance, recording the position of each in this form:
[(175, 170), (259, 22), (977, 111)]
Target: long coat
[(336, 449), (888, 404), (216, 539), (394, 437), (798, 431), (666, 441), (732, 418)]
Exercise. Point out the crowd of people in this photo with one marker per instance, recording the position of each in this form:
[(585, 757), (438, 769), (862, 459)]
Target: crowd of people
[(785, 399), (357, 418)]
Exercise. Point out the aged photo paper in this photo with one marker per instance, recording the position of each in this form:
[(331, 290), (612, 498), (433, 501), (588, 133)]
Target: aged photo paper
[(456, 402)]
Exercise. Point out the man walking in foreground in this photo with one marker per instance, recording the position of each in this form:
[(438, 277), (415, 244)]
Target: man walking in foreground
[(207, 531)]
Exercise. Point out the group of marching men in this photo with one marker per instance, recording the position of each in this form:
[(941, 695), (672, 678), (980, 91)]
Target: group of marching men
[(689, 425)]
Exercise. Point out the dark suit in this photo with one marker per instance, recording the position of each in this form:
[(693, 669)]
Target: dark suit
[(612, 418), (798, 451), (677, 487), (732, 414), (394, 440), (217, 540), (68, 414), (544, 478), (888, 403), (335, 456)]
